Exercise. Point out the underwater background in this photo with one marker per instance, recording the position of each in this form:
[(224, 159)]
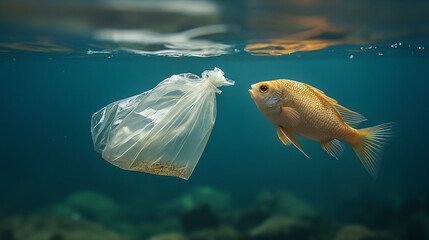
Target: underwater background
[(61, 61)]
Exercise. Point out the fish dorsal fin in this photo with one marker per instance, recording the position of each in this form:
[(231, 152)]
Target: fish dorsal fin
[(333, 147), (323, 94), (290, 138), (350, 117)]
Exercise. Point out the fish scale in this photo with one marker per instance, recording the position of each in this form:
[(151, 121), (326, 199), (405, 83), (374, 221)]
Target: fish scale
[(318, 116)]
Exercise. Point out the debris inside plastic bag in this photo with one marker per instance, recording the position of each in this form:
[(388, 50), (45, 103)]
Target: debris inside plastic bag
[(162, 131)]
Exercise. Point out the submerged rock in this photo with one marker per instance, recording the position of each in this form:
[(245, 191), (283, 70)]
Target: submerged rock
[(155, 227), (411, 221), (56, 228), (217, 200), (220, 233), (320, 228), (358, 232), (169, 236), (200, 218), (252, 217), (417, 226), (284, 203), (88, 205), (281, 228), (7, 234), (354, 232)]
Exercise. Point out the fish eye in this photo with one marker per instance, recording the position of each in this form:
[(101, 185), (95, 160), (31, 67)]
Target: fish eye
[(263, 88)]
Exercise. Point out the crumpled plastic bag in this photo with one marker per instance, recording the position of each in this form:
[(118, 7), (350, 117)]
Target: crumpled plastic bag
[(162, 131)]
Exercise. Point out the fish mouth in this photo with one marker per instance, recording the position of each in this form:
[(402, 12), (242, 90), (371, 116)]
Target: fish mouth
[(251, 91)]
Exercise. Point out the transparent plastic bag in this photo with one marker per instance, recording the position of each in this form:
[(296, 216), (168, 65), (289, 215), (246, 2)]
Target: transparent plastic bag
[(162, 131)]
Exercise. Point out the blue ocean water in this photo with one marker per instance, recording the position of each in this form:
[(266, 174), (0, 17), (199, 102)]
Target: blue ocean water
[(47, 99)]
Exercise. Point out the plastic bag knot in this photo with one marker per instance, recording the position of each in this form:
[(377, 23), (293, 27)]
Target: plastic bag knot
[(216, 78)]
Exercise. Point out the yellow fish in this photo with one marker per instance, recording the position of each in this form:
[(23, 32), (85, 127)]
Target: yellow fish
[(300, 109)]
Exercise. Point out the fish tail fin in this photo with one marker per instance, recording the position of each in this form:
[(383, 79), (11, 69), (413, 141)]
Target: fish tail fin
[(369, 146)]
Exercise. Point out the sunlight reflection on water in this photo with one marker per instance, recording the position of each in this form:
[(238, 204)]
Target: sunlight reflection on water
[(204, 28)]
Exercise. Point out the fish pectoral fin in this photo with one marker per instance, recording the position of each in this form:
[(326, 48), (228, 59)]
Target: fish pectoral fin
[(290, 115), (333, 147), (283, 136), (290, 138)]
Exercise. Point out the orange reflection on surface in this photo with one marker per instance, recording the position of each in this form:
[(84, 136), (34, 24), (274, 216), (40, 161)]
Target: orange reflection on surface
[(282, 46)]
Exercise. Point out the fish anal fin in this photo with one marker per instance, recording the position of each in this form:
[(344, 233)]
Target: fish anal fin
[(333, 147), (350, 117), (289, 115), (292, 138), (283, 137)]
